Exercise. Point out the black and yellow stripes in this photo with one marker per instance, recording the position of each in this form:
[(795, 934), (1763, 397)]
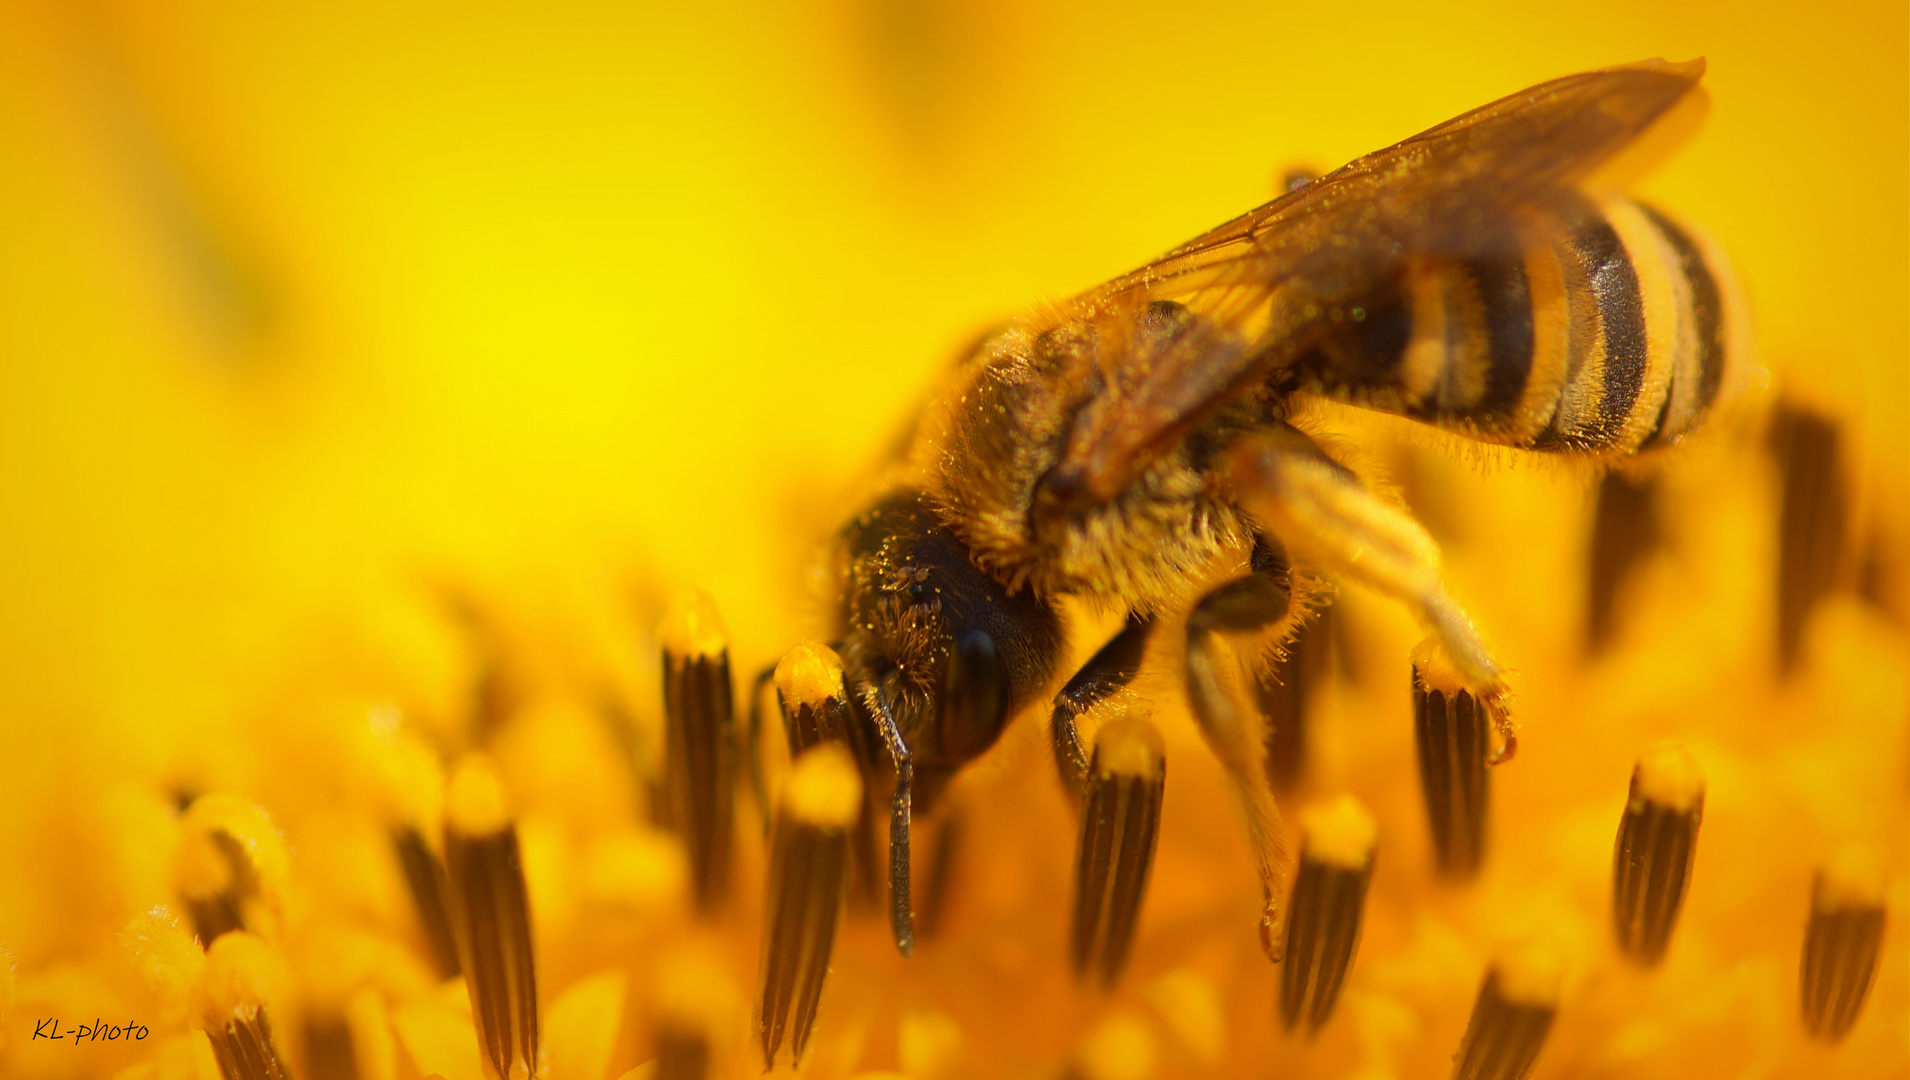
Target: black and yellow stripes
[(1610, 370), (1596, 327), (1704, 345)]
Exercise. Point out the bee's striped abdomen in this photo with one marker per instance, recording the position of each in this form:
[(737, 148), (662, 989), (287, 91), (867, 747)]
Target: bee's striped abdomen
[(1599, 330), (1704, 354), (1610, 370)]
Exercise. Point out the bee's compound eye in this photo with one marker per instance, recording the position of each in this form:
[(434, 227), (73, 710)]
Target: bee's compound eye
[(976, 697)]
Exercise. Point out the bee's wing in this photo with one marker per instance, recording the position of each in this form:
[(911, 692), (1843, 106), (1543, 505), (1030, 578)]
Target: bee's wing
[(1264, 284)]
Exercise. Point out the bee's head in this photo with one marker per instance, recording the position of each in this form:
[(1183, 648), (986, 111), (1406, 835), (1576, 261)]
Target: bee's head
[(950, 652)]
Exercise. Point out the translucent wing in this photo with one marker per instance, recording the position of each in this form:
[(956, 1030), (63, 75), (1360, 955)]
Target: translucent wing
[(1265, 284)]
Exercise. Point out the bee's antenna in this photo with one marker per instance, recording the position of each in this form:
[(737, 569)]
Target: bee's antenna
[(901, 916)]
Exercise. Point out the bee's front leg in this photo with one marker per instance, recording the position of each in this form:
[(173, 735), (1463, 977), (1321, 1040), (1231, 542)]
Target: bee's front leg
[(1117, 789), (1106, 673)]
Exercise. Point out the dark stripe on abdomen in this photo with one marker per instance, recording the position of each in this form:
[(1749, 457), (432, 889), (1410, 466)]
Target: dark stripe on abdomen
[(1621, 315), (1707, 307), (1507, 298)]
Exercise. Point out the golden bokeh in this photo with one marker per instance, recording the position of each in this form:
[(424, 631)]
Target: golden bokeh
[(312, 315)]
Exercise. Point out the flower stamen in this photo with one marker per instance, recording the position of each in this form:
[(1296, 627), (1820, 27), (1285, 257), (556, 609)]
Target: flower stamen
[(230, 1006), (424, 879), (231, 867), (1451, 729), (1324, 914), (808, 884), (1657, 840), (1120, 828), (1285, 689), (1842, 943), (1512, 1016), (491, 912), (699, 743)]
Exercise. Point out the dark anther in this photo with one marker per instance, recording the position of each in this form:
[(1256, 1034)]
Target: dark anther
[(1119, 829), (699, 742), (1511, 1018), (808, 884), (1812, 522), (1657, 840), (1624, 530), (1325, 911), (1842, 943), (1452, 731)]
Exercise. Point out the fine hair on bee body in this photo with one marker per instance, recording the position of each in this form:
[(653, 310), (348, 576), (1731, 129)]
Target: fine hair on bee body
[(1143, 448)]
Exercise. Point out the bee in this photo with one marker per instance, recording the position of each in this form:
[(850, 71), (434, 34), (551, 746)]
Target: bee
[(1121, 445)]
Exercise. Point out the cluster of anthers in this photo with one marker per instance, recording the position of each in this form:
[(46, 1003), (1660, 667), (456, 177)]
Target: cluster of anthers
[(645, 928)]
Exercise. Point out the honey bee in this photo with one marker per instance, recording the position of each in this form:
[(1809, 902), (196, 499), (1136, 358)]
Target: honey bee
[(1121, 445)]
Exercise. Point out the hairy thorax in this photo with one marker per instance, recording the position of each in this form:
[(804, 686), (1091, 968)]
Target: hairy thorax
[(1001, 426)]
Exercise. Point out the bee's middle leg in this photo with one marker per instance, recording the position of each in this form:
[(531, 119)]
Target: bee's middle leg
[(1232, 727)]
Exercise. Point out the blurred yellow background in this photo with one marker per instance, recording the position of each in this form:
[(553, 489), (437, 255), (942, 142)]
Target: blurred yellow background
[(299, 300)]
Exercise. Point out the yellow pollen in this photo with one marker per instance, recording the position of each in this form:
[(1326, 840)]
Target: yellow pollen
[(242, 974), (692, 628), (1530, 973), (1434, 668), (1667, 775), (824, 788), (474, 805), (1128, 746), (1340, 832), (1852, 877), (809, 674)]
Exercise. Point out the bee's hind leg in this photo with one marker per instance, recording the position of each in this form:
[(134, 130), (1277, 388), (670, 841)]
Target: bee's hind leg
[(1323, 511)]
